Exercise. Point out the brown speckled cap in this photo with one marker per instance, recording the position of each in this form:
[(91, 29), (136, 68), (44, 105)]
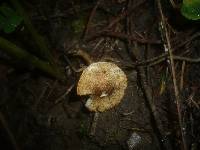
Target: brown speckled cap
[(105, 83)]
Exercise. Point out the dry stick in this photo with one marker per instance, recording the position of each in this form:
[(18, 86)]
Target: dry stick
[(81, 53), (37, 101), (52, 88), (121, 16), (62, 97), (165, 34), (9, 132), (190, 60), (147, 93), (177, 58), (116, 20), (90, 18), (156, 60), (195, 35), (71, 65), (148, 97), (123, 36), (182, 75)]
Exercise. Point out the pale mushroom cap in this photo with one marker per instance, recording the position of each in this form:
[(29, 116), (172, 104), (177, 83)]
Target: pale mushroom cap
[(105, 82)]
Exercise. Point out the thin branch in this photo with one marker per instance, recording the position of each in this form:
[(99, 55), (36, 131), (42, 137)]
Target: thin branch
[(84, 55), (62, 97), (90, 18), (123, 36), (182, 75), (177, 58), (166, 36), (147, 93), (161, 58), (117, 19), (121, 16)]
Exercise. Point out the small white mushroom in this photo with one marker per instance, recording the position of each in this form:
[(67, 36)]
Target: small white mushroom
[(105, 83)]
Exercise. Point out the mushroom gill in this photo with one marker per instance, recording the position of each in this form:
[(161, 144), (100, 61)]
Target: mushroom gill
[(105, 83)]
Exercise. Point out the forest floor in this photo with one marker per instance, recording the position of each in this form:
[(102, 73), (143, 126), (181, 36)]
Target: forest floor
[(42, 113)]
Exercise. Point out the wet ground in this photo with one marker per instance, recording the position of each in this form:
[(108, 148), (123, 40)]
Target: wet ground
[(43, 113)]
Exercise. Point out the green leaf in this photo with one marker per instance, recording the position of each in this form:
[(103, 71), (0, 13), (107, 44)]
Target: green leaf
[(191, 9), (9, 19)]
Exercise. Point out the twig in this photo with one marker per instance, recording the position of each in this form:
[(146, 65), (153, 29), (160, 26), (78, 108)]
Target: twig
[(61, 98), (123, 36), (52, 88), (121, 16), (191, 100), (147, 93), (188, 39), (84, 55), (116, 20), (163, 57), (189, 60), (58, 100), (38, 99), (148, 97), (90, 18), (158, 59), (71, 65), (177, 58), (182, 75), (98, 43), (165, 35), (173, 3)]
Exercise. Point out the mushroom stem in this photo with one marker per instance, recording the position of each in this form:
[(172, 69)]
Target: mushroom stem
[(94, 124)]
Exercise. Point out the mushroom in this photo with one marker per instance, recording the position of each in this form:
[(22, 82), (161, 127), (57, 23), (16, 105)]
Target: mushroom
[(105, 83)]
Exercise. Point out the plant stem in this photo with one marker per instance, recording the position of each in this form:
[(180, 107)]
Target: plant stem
[(25, 56), (43, 49)]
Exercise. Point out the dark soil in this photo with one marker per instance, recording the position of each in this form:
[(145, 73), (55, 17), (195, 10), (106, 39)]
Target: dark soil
[(38, 112)]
